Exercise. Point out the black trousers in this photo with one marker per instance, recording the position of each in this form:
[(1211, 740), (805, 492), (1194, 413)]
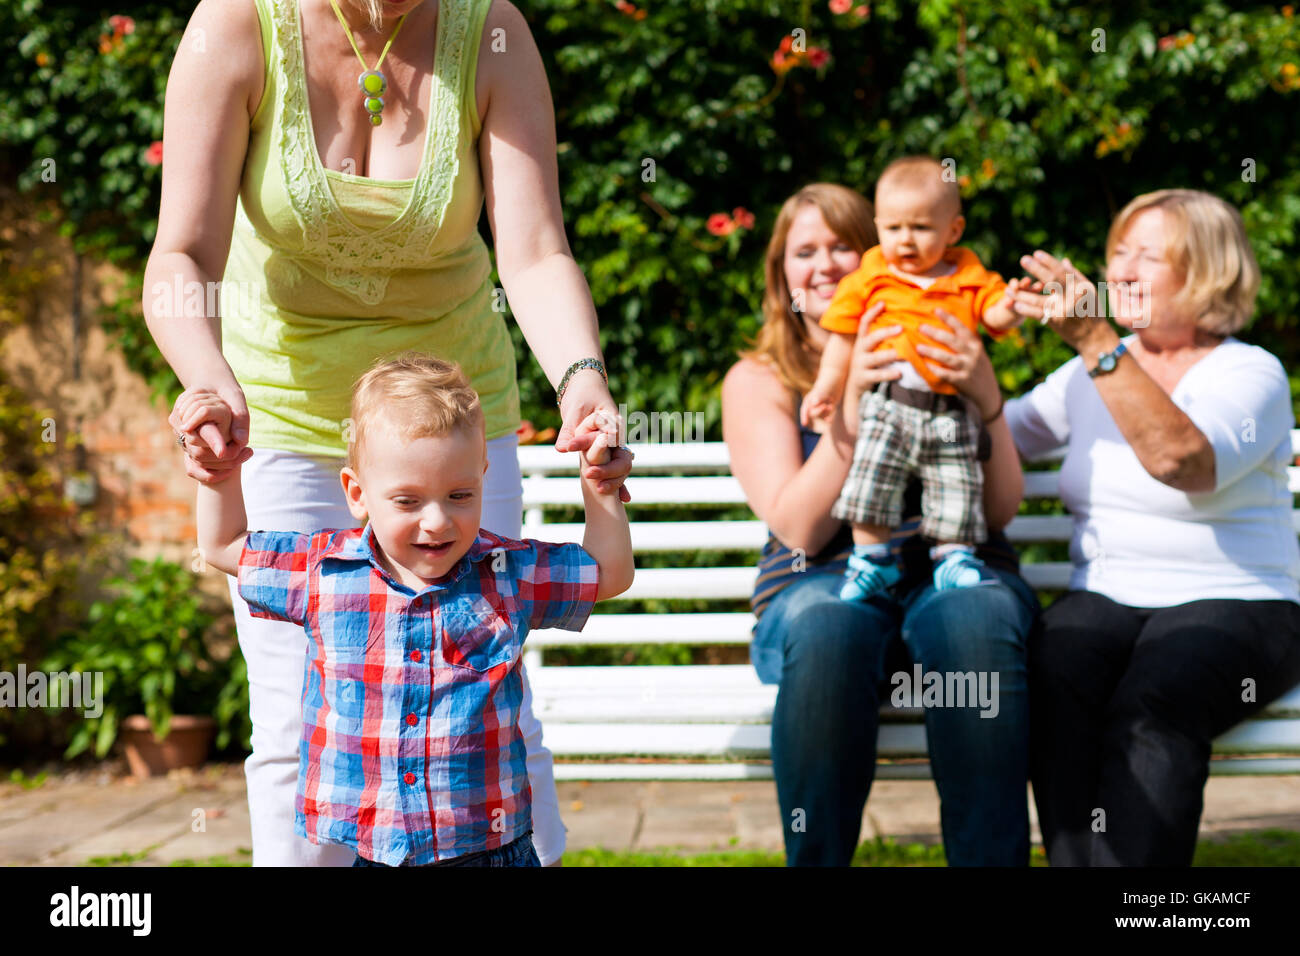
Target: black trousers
[(1124, 704)]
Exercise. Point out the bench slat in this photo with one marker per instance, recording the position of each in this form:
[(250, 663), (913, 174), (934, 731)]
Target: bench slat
[(695, 490), (648, 536), (884, 771), (724, 628), (754, 741), (669, 535), (613, 694), (711, 454), (735, 583), (737, 742), (536, 459), (726, 490), (738, 583)]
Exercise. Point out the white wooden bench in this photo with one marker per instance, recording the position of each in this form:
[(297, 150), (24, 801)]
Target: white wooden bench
[(698, 722)]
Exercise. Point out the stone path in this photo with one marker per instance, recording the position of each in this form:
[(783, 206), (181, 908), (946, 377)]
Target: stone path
[(79, 816)]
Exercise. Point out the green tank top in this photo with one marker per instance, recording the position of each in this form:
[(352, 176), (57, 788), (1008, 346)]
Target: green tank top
[(330, 271)]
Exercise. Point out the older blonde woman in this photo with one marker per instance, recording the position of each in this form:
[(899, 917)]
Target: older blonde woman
[(1183, 614)]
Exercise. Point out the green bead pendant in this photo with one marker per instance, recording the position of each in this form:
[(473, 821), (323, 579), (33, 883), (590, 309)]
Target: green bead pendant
[(373, 85)]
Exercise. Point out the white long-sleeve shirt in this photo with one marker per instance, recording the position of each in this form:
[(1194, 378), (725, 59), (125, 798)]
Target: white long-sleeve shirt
[(1145, 544)]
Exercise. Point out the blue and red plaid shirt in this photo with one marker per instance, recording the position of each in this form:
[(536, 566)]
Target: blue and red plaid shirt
[(410, 743)]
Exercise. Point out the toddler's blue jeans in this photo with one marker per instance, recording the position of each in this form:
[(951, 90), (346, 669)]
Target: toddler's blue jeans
[(518, 852)]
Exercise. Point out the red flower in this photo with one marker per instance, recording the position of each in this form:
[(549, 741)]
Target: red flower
[(1167, 43), (122, 25), (818, 57), (863, 11), (720, 224), (743, 217), (153, 155), (787, 43), (841, 6)]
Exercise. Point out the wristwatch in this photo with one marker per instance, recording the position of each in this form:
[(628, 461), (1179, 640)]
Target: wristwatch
[(1106, 361)]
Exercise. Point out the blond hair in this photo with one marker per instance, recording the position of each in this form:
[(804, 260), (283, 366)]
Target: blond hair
[(374, 10), (782, 342), (414, 395), (921, 173), (1206, 243)]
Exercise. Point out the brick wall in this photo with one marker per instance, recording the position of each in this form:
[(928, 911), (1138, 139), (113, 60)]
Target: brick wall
[(76, 376)]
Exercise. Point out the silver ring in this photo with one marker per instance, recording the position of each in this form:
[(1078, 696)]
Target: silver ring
[(180, 439)]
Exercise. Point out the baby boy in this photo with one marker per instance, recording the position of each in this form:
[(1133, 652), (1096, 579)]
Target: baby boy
[(915, 426)]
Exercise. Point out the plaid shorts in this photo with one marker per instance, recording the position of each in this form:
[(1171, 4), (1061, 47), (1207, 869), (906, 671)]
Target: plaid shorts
[(897, 442)]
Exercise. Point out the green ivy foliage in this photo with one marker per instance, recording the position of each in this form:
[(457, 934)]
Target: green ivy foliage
[(1056, 113)]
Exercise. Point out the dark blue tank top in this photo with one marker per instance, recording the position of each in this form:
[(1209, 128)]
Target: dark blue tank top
[(778, 565)]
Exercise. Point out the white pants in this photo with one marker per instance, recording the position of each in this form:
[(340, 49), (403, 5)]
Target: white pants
[(286, 491)]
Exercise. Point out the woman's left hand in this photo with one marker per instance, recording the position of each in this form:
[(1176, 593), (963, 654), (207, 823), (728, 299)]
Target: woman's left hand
[(1063, 299), (963, 364), (585, 395)]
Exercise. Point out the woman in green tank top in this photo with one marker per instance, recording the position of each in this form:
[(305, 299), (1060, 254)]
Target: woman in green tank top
[(327, 240)]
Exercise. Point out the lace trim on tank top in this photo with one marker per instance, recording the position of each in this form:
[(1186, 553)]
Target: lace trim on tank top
[(361, 261)]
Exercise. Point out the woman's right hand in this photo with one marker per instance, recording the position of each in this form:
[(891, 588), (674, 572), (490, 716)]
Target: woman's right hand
[(868, 367), (217, 444)]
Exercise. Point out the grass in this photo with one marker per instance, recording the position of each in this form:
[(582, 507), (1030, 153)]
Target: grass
[(122, 859), (1260, 848), (26, 782), (244, 858)]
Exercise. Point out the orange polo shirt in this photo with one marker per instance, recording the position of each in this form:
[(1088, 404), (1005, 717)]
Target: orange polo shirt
[(966, 293)]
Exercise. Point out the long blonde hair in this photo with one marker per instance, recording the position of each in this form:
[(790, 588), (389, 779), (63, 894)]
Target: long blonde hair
[(783, 343)]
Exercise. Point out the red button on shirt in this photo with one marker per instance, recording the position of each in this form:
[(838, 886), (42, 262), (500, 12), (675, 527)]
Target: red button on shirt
[(409, 778), (416, 655), (412, 719)]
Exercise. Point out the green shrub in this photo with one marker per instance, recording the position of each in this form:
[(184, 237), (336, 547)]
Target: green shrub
[(1054, 112), (150, 641)]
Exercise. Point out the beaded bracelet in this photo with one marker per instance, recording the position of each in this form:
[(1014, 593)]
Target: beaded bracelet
[(577, 366)]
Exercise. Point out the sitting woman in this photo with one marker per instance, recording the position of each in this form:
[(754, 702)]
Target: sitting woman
[(832, 658), (1183, 614)]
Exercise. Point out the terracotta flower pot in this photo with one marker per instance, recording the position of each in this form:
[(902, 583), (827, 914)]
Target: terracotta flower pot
[(187, 744)]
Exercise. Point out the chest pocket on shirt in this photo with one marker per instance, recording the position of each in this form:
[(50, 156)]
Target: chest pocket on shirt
[(479, 635)]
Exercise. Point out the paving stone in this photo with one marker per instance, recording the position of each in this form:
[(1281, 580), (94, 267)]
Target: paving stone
[(601, 815), (80, 814), (904, 810), (156, 824)]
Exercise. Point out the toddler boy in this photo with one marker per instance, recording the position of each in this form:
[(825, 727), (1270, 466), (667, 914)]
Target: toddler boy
[(411, 752)]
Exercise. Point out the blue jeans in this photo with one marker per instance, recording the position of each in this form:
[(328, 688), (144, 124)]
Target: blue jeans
[(833, 660), (518, 852)]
